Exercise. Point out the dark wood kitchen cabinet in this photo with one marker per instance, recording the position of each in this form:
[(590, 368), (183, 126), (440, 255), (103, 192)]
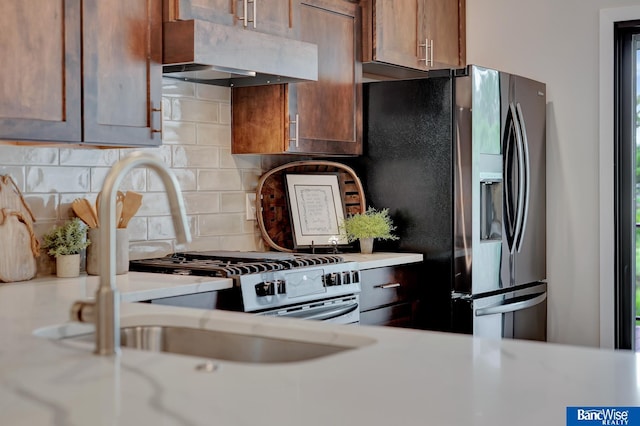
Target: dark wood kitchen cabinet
[(81, 71), (266, 16), (321, 117), (40, 94), (416, 34), (389, 296)]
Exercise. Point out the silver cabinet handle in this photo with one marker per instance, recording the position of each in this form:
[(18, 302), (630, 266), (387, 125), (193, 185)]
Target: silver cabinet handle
[(390, 285), (502, 307), (245, 13), (154, 129), (297, 134), (255, 12), (428, 52)]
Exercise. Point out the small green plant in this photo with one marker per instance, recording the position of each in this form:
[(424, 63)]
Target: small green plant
[(370, 224), (69, 238)]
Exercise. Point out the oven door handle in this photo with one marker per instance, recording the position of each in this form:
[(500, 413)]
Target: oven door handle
[(321, 313)]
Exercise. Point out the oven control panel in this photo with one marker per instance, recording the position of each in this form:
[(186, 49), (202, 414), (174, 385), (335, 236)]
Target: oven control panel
[(279, 286), (284, 287)]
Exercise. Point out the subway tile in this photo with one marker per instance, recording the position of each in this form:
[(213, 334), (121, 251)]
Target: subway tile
[(166, 109), (28, 155), (250, 179), (16, 173), (178, 132), (135, 180), (213, 134), (246, 242), (149, 249), (194, 110), (57, 179), (161, 227), (225, 113), (212, 92), (250, 227), (186, 179), (163, 152), (137, 227), (233, 202), (173, 87), (195, 156), (219, 180), (43, 206), (202, 202), (243, 161), (88, 157), (220, 224), (206, 243), (154, 204)]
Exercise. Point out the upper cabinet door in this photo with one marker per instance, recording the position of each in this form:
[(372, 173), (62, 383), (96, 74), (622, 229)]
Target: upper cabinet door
[(414, 34), (443, 28), (398, 32), (266, 16), (328, 112), (218, 11), (122, 64), (271, 16), (40, 85)]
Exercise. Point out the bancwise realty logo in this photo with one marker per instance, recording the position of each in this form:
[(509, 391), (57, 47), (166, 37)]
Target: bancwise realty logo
[(583, 416)]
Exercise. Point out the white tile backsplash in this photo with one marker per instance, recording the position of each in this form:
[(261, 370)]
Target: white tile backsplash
[(197, 145)]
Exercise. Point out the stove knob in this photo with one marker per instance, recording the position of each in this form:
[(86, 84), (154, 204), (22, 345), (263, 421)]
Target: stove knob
[(281, 288), (335, 278), (355, 277), (346, 277), (328, 280), (265, 289)]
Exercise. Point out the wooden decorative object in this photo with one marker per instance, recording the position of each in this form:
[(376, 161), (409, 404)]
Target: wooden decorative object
[(19, 246), (271, 200)]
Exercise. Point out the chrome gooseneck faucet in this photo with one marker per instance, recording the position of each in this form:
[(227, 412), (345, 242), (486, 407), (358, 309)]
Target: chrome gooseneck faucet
[(105, 311)]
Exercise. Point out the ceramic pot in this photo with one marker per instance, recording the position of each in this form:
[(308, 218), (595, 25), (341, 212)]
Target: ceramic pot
[(68, 266), (366, 245), (122, 251)]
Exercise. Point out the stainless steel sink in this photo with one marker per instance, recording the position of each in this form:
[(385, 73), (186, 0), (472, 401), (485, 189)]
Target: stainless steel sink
[(222, 345)]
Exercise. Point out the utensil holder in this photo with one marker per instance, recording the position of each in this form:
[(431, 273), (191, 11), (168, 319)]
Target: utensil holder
[(122, 251)]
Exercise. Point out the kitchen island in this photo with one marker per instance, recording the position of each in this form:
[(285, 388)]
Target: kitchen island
[(396, 376)]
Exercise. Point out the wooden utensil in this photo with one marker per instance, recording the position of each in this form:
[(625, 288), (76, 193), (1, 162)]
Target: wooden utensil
[(131, 203), (82, 209)]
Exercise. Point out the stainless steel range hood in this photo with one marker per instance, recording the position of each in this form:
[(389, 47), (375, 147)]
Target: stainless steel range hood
[(205, 52)]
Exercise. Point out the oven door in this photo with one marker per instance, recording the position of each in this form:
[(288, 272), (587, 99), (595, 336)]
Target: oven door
[(340, 310)]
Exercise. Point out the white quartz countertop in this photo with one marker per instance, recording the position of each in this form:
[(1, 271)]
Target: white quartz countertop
[(403, 377)]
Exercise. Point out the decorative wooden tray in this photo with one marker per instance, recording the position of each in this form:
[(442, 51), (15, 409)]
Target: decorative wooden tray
[(271, 198)]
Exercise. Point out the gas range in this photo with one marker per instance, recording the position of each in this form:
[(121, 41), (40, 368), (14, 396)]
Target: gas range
[(268, 281)]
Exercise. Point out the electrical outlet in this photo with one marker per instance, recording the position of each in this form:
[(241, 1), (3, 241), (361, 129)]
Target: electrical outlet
[(250, 205)]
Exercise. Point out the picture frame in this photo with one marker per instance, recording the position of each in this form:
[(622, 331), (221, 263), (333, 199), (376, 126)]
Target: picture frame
[(316, 209)]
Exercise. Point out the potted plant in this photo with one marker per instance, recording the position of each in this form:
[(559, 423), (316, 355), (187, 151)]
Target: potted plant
[(65, 244), (367, 226)]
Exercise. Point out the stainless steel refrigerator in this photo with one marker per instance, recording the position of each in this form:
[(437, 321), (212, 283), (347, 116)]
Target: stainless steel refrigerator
[(459, 160)]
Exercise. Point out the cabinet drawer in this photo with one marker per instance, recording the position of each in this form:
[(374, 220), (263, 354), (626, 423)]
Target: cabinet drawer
[(384, 286), (391, 316)]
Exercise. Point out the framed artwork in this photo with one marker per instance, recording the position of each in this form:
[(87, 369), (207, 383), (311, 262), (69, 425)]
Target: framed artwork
[(316, 209)]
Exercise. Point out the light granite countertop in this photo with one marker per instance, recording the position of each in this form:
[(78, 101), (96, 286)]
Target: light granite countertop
[(404, 377)]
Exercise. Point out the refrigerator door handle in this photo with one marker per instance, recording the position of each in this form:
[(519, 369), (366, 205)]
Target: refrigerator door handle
[(517, 304), (519, 213), (527, 177)]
